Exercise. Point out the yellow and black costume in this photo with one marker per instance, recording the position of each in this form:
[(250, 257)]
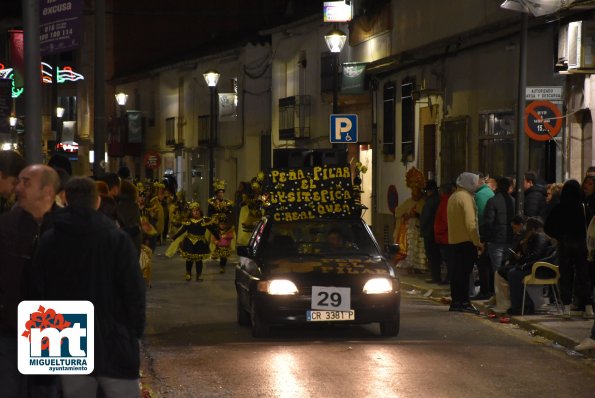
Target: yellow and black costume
[(252, 210), (219, 207), (194, 247), (224, 245)]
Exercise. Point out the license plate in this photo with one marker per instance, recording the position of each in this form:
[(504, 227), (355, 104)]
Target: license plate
[(330, 316), (330, 298)]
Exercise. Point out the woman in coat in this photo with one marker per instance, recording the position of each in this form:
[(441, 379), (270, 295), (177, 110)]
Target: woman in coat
[(128, 213), (567, 224)]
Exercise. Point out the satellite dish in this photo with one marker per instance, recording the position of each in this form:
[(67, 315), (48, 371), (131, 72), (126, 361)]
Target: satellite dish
[(537, 8)]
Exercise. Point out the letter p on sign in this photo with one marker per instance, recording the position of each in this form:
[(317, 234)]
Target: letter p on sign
[(343, 128)]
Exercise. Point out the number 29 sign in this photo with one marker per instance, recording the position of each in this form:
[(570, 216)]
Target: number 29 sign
[(331, 298)]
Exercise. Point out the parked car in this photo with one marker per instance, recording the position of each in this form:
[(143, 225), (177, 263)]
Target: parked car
[(322, 270)]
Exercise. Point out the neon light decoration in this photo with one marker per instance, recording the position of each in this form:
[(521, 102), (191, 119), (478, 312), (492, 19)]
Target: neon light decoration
[(7, 73), (66, 74), (46, 76)]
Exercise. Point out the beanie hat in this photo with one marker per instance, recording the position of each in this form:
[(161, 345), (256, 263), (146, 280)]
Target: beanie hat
[(468, 181)]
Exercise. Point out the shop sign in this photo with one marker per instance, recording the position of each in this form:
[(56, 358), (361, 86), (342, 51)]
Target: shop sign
[(59, 25)]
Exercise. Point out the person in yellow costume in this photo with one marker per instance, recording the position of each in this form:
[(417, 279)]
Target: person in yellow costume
[(251, 211), (178, 212), (155, 209), (407, 231), (218, 205), (192, 241), (224, 246)]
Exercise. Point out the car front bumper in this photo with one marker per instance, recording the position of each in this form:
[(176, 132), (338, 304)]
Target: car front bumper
[(292, 309)]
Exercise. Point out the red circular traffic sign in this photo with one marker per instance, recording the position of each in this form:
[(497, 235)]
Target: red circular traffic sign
[(543, 120), (152, 160)]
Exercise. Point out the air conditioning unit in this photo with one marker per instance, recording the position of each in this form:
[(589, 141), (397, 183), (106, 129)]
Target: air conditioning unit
[(576, 47)]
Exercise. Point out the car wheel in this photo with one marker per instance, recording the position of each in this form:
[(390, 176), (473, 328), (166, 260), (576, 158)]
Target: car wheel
[(242, 315), (391, 326), (259, 328)]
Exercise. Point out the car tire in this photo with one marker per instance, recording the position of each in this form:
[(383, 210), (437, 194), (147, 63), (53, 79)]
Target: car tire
[(243, 316), (259, 328), (391, 326)]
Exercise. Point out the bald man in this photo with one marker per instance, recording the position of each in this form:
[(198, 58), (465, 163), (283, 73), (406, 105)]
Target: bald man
[(20, 228)]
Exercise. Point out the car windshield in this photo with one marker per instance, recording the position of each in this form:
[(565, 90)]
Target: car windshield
[(319, 238)]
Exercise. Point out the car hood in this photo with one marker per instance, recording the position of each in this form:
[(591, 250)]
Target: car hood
[(364, 265)]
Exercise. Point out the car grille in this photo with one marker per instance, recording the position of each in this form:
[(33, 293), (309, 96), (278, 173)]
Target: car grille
[(307, 290)]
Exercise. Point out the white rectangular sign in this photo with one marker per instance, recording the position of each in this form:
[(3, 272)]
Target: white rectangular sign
[(547, 93), (56, 337), (331, 298), (337, 11)]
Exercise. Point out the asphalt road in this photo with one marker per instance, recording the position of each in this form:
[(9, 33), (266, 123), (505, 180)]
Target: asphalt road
[(194, 348)]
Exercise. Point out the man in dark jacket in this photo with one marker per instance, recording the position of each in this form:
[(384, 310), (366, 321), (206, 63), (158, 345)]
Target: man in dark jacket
[(497, 220), (567, 224), (535, 246), (426, 223), (19, 231), (535, 195), (11, 164), (497, 233), (84, 256)]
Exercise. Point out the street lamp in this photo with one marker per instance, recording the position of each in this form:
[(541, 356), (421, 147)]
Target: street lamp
[(12, 120), (59, 114), (121, 98), (335, 40), (211, 78)]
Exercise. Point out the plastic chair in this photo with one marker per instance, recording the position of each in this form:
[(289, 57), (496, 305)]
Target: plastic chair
[(533, 279)]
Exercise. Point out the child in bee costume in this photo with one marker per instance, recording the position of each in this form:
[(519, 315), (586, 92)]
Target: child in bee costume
[(192, 241), (225, 245)]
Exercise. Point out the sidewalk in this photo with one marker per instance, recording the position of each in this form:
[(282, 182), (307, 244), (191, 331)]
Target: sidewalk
[(546, 323)]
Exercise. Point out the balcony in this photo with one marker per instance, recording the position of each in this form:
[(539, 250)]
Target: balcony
[(294, 117)]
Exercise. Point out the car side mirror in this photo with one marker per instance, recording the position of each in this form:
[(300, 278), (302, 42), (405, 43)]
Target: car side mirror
[(243, 251), (391, 249)]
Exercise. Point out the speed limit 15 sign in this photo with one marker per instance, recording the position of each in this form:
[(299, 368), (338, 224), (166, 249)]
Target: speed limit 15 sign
[(543, 120)]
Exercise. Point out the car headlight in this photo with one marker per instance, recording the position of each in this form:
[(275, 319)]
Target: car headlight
[(278, 287), (378, 286)]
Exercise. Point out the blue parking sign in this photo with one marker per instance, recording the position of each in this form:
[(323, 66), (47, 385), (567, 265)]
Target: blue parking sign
[(343, 129)]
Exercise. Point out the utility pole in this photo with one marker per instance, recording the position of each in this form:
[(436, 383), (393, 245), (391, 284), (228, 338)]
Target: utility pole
[(99, 124), (32, 92), (521, 140)]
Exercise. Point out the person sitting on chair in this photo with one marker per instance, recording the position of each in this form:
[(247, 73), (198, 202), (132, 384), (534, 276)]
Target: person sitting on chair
[(535, 246)]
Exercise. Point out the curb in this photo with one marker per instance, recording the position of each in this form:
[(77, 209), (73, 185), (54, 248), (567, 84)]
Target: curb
[(535, 329)]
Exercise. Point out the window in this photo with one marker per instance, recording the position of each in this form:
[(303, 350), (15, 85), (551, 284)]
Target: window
[(453, 148), (170, 131), (407, 120), (388, 134), (328, 237), (496, 143), (294, 117)]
